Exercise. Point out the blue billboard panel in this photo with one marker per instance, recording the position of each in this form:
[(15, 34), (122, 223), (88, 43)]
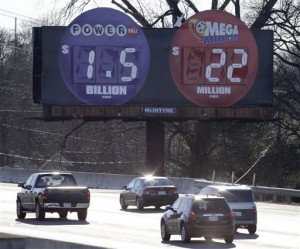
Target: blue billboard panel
[(104, 57)]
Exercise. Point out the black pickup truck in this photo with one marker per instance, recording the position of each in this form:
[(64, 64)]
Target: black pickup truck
[(52, 192)]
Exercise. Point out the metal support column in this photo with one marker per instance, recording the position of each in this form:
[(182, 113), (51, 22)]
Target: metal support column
[(155, 138)]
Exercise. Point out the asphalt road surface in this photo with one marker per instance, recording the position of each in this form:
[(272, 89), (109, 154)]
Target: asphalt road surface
[(108, 226)]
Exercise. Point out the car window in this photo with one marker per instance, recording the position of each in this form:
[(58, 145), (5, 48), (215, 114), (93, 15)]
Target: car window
[(182, 206), (131, 184), (138, 183), (158, 182), (211, 205), (205, 191), (188, 205), (176, 204), (237, 195)]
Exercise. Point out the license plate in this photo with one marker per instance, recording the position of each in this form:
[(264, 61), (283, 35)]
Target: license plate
[(67, 205), (161, 192), (238, 214), (213, 218)]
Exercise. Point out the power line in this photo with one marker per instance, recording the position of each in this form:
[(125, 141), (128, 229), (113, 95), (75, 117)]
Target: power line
[(19, 16), (52, 133)]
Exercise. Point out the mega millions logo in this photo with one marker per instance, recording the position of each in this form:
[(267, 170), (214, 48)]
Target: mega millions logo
[(208, 32)]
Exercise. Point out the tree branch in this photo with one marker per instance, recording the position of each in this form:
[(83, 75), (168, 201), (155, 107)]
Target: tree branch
[(264, 15)]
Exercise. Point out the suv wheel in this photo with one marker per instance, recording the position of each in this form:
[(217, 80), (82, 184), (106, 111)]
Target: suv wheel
[(185, 237), (228, 238), (139, 205), (163, 232), (122, 203), (251, 229)]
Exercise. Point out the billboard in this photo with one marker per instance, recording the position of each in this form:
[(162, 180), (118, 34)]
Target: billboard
[(103, 58)]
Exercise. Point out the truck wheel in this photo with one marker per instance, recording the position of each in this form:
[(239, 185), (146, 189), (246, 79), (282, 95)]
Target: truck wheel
[(63, 214), (251, 229), (39, 212), (82, 215), (20, 212)]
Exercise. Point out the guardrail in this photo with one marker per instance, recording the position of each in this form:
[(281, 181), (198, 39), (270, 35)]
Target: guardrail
[(184, 185), (276, 194)]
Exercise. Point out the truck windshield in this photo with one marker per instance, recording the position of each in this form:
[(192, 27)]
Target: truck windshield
[(55, 181)]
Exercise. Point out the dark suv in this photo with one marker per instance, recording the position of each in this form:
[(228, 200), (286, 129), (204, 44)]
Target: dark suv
[(196, 216)]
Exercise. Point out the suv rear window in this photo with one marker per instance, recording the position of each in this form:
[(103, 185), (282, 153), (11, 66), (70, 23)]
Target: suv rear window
[(237, 195), (211, 205)]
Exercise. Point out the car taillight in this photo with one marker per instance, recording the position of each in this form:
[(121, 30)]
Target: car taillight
[(149, 191), (173, 190), (254, 210), (46, 195), (231, 217), (192, 216), (88, 195)]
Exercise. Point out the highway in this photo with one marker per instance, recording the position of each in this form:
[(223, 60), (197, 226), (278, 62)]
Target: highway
[(109, 227)]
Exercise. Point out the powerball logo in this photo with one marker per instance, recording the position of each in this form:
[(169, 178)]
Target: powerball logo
[(213, 32)]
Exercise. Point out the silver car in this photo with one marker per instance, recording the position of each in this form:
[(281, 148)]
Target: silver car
[(241, 201)]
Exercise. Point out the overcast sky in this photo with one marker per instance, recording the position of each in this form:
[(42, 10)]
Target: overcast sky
[(25, 10)]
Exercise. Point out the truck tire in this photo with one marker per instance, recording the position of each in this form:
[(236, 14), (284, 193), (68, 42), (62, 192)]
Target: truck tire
[(20, 212), (39, 212), (251, 229), (82, 215)]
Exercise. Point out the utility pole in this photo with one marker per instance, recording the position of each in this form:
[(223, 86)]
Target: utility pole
[(16, 41)]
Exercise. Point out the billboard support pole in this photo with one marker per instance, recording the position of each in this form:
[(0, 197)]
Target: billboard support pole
[(155, 147)]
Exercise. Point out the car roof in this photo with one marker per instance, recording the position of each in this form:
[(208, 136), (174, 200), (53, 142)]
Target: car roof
[(152, 177), (198, 197)]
